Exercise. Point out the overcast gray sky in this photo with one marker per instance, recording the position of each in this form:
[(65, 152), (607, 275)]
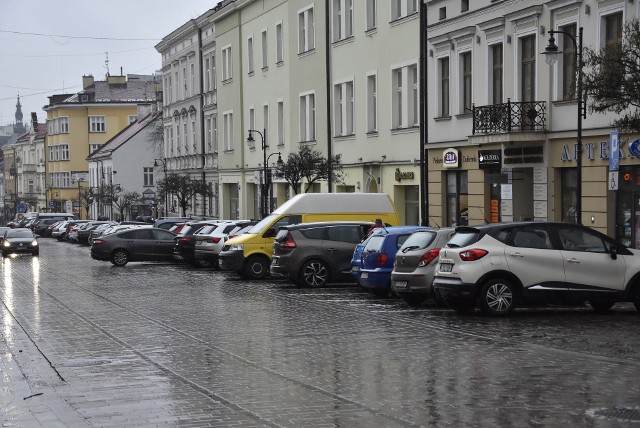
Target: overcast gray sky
[(39, 66)]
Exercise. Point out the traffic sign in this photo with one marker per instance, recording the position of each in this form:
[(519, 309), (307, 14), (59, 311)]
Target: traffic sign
[(22, 207), (614, 151), (52, 204), (613, 180)]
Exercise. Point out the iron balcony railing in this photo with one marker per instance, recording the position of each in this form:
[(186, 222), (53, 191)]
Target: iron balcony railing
[(509, 117)]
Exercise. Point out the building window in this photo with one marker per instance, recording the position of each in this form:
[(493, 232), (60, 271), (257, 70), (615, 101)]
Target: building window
[(307, 117), (228, 130), (343, 109), (265, 123), (568, 63), (265, 58), (227, 70), (148, 176), (404, 103), (185, 89), (342, 19), (192, 88), (214, 133), (442, 13), (465, 82), (252, 118), (60, 179), (207, 74), (186, 138), (412, 204), (94, 147), (306, 31), (372, 14), (280, 123), (213, 73), (372, 103), (132, 119), (250, 55), (59, 152), (569, 194), (279, 44), (528, 68), (402, 8), (194, 139), (612, 39), (175, 87), (63, 125), (443, 75), (495, 52), (97, 124), (457, 198), (464, 5)]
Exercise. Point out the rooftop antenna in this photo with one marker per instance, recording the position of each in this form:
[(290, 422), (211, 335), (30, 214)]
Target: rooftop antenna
[(106, 62)]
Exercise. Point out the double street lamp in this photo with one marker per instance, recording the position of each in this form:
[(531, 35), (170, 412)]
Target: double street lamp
[(551, 53), (264, 194), (166, 196)]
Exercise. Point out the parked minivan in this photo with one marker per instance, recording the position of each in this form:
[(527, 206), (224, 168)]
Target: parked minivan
[(250, 254)]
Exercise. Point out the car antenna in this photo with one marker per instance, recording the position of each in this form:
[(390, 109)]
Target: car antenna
[(435, 222)]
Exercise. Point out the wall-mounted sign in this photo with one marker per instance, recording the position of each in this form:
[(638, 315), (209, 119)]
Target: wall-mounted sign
[(614, 153), (488, 159), (404, 175), (523, 155), (451, 158), (634, 148)]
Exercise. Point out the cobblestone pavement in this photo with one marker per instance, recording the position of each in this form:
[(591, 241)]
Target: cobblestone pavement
[(85, 343)]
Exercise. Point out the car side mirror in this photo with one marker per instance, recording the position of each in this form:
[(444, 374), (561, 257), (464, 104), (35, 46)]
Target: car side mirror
[(614, 252), (271, 233)]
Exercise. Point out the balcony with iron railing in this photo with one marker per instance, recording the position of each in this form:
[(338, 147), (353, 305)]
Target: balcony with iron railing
[(510, 117)]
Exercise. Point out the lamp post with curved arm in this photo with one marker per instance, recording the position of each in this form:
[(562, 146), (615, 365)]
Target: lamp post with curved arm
[(166, 196), (551, 53), (264, 194)]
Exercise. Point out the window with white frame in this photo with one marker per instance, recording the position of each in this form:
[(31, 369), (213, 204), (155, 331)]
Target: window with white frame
[(213, 73), (343, 109), (567, 64), (228, 130), (194, 139), (496, 73), (372, 14), (307, 117), (63, 125), (226, 64), (402, 8), (97, 124), (214, 133), (306, 30), (132, 118), (60, 179), (59, 152), (265, 123), (528, 54), (250, 55), (372, 103), (252, 118), (192, 87), (178, 138), (147, 173), (465, 82), (185, 90), (186, 138), (176, 93), (207, 74), (265, 52), (94, 147), (280, 123), (342, 19), (279, 44), (443, 87), (404, 102), (171, 141)]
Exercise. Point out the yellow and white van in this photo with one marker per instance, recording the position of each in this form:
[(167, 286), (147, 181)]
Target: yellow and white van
[(250, 254)]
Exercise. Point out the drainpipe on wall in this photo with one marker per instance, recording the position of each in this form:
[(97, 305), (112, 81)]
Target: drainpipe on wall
[(328, 72), (202, 133), (424, 121)]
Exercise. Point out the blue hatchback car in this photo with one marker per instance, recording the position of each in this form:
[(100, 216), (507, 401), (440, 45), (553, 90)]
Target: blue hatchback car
[(378, 252)]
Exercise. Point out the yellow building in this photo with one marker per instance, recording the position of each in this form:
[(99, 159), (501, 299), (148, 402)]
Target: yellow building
[(80, 123)]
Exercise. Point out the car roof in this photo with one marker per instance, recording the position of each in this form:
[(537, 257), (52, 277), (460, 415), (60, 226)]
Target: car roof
[(324, 223)]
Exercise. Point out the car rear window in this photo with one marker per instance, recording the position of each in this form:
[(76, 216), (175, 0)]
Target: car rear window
[(207, 229), (374, 244), (282, 235), (418, 240), (313, 233), (463, 238)]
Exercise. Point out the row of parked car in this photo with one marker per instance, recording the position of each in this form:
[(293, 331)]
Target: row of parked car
[(493, 267)]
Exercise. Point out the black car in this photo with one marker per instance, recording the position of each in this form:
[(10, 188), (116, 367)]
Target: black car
[(185, 243), (20, 241), (313, 254), (40, 227), (134, 245), (85, 232)]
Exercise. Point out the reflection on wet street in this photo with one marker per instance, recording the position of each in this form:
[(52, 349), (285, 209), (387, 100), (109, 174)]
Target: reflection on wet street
[(163, 344)]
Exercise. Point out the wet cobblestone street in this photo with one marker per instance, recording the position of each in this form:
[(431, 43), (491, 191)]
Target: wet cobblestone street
[(85, 343)]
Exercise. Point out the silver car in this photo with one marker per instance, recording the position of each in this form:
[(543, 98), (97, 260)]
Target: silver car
[(414, 265)]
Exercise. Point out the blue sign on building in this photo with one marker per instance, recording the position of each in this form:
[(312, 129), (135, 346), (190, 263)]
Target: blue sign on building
[(52, 204), (614, 151), (22, 208)]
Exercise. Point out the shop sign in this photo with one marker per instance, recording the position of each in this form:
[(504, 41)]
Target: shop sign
[(523, 155), (634, 148), (601, 150), (489, 159), (614, 154), (451, 158), (404, 175)]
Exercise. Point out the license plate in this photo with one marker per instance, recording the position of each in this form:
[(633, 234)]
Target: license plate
[(364, 275), (355, 268), (401, 284), (275, 261), (446, 267)]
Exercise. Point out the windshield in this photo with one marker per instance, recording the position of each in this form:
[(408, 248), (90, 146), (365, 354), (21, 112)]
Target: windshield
[(20, 233), (262, 224)]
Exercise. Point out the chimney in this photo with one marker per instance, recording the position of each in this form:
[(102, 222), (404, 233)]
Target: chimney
[(116, 80), (87, 81), (144, 110)]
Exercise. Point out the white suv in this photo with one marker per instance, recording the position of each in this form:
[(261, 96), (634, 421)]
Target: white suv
[(499, 266)]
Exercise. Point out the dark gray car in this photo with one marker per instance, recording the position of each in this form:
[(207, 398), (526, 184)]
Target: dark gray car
[(313, 254), (20, 241), (134, 245)]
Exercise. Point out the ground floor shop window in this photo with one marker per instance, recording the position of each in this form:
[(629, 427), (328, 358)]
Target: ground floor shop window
[(628, 207), (457, 198), (412, 205), (569, 194)]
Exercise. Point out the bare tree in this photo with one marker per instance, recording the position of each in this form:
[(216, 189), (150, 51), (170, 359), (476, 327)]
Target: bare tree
[(125, 201), (183, 188), (311, 166)]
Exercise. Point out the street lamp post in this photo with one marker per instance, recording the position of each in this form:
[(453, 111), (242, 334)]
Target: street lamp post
[(551, 53), (264, 195), (166, 196), (279, 164)]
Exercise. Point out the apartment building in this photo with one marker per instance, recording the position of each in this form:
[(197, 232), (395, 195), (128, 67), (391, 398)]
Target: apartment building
[(79, 124), (503, 123)]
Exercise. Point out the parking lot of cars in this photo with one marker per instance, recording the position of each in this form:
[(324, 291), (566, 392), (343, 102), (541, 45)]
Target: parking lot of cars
[(494, 268)]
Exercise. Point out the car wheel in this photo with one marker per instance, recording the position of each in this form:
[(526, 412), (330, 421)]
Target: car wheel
[(440, 302), (497, 297), (201, 263), (256, 267), (314, 273), (414, 300), (601, 306), (119, 257)]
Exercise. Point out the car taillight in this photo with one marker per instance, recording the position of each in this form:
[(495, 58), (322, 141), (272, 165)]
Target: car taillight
[(289, 242), (382, 259), (212, 240), (98, 242), (428, 257), (184, 240), (471, 255)]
